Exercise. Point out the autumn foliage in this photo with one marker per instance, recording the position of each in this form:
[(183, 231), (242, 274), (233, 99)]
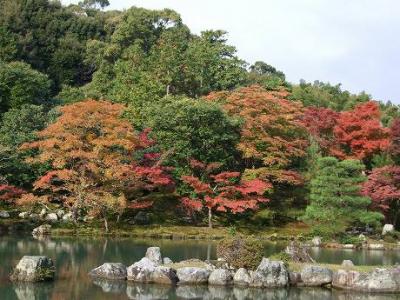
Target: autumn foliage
[(359, 133), (383, 187), (93, 155), (9, 194), (222, 192)]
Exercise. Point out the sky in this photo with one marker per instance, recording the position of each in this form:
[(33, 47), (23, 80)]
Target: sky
[(353, 42)]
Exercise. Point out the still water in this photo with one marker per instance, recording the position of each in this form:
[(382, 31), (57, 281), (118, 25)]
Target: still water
[(75, 257)]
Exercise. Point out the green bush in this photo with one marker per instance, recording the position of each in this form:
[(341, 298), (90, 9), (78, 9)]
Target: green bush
[(348, 239), (283, 256), (241, 252)]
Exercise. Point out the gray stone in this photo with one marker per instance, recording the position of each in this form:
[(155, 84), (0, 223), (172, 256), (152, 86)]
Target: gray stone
[(347, 263), (193, 275), (387, 228), (113, 271), (142, 218), (60, 213), (270, 274), (33, 269), (34, 217), (298, 253), (110, 286), (164, 275), (316, 241), (23, 215), (242, 277), (67, 217), (141, 271), (220, 277), (43, 213), (44, 229), (316, 276), (4, 214), (348, 246), (167, 260), (376, 247), (295, 279), (378, 281), (51, 217), (154, 254)]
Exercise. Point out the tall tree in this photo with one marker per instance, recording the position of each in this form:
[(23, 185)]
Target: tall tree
[(92, 154)]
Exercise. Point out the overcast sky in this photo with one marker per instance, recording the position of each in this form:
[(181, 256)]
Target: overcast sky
[(353, 42)]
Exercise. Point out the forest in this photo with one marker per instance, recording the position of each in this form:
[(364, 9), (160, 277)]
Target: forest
[(111, 113)]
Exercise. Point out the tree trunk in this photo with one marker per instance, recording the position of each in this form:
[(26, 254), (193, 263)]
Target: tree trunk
[(168, 89), (209, 218), (105, 223)]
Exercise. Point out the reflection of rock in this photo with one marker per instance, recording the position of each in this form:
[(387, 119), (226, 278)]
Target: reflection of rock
[(32, 291), (148, 291), (110, 286), (350, 295), (154, 254), (270, 274), (316, 276), (192, 291), (114, 271), (193, 275), (33, 268), (219, 292), (220, 277), (261, 294)]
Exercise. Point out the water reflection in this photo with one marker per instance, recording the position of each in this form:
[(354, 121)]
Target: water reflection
[(75, 257)]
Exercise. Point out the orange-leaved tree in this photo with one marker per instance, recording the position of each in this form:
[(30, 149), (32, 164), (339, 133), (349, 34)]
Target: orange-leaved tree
[(359, 133), (94, 157), (273, 138), (222, 192)]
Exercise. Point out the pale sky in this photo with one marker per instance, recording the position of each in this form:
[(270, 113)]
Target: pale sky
[(353, 42)]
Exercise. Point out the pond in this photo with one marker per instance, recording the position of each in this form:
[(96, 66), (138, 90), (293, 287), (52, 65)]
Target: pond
[(75, 257)]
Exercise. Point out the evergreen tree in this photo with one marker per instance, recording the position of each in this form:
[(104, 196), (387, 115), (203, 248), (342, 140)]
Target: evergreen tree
[(335, 194)]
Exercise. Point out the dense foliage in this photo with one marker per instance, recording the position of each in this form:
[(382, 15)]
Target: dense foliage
[(178, 118)]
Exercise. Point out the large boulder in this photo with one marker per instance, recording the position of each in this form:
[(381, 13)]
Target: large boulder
[(164, 275), (270, 274), (154, 254), (44, 229), (242, 277), (193, 275), (51, 217), (141, 271), (376, 247), (220, 277), (167, 260), (24, 214), (316, 276), (113, 271), (387, 228), (377, 281), (68, 217), (4, 214), (33, 269)]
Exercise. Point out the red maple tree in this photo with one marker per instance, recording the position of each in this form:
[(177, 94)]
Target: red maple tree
[(9, 193), (359, 133), (383, 187), (394, 148), (223, 191)]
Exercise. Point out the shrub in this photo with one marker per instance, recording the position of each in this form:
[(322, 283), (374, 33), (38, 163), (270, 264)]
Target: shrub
[(241, 252), (283, 256)]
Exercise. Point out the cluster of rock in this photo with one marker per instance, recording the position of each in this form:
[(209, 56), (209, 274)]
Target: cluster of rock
[(269, 274), (52, 217)]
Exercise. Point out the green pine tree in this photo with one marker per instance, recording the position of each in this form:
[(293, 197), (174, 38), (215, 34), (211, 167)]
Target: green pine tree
[(335, 198)]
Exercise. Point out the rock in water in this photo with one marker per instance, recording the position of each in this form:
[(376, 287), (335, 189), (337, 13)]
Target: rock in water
[(316, 276), (113, 271), (167, 260), (270, 274), (242, 277), (42, 230), (154, 254), (220, 277), (387, 228), (193, 275), (164, 275), (33, 269), (141, 271)]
